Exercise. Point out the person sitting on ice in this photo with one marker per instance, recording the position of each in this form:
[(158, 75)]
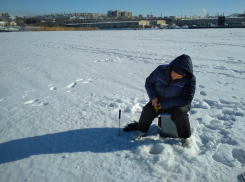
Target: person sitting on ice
[(171, 89)]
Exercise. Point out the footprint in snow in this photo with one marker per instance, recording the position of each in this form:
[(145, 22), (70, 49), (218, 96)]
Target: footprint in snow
[(72, 85), (234, 113), (31, 101), (87, 82), (36, 102), (203, 93), (239, 155), (224, 155), (193, 111), (229, 141), (220, 123), (90, 80), (201, 86), (81, 79), (52, 88), (231, 58), (200, 104), (220, 67)]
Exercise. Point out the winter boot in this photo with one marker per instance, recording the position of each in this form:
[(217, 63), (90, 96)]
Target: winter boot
[(186, 142), (137, 135)]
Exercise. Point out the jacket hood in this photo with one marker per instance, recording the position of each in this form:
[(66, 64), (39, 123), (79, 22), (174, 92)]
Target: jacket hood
[(183, 62)]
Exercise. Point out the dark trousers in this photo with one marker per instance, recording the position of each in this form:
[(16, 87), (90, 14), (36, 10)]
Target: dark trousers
[(179, 115)]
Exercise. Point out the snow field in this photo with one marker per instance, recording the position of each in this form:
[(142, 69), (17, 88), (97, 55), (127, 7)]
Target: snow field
[(61, 92)]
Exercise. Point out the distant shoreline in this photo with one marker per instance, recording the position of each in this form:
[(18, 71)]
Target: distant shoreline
[(105, 29), (42, 28), (217, 27)]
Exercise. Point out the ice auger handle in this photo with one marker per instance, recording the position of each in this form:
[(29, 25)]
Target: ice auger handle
[(119, 114)]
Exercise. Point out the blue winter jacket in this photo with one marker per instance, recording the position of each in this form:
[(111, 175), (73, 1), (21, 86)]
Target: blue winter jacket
[(172, 93)]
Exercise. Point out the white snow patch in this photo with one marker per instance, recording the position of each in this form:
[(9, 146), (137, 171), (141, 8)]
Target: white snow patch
[(73, 129), (31, 101)]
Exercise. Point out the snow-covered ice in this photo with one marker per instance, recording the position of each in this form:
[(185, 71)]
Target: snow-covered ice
[(60, 93)]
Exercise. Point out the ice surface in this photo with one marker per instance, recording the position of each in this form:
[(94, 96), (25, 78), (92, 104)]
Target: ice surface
[(61, 91)]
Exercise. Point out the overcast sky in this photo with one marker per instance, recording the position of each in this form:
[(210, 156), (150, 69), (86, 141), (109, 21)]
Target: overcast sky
[(154, 7)]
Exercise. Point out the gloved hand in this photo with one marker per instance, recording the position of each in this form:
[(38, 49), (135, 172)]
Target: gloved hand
[(156, 104), (131, 127)]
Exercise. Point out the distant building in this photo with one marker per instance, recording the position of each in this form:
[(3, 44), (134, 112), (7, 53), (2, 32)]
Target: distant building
[(141, 16), (7, 15), (77, 18), (118, 13), (158, 23), (110, 13), (236, 21), (208, 22), (92, 15), (126, 14), (199, 22), (3, 23), (149, 16), (13, 24), (172, 17)]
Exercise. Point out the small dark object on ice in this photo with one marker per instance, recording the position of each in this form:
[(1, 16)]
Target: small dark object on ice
[(119, 123), (131, 127)]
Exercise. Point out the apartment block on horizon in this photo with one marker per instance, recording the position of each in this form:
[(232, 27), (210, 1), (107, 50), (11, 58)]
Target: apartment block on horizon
[(124, 13), (7, 15), (118, 13)]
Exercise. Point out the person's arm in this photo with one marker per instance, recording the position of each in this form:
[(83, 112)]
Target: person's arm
[(184, 99), (150, 84)]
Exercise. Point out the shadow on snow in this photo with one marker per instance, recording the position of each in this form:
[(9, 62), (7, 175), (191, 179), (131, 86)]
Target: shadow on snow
[(97, 140)]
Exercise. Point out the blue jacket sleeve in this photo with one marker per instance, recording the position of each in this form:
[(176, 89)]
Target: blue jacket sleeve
[(184, 99), (150, 84)]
